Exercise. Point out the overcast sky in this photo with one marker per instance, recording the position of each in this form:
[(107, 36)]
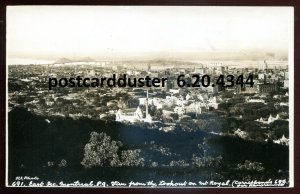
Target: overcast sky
[(72, 31)]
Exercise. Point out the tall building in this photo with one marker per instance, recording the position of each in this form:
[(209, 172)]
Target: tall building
[(264, 66), (266, 88)]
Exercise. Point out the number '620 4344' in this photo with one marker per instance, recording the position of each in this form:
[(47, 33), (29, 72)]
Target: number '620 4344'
[(206, 81)]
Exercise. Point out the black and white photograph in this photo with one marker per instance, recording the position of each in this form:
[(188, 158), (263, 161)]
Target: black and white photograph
[(150, 96)]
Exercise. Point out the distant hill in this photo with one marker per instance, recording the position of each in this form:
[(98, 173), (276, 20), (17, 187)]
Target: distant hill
[(86, 59), (63, 60), (66, 60)]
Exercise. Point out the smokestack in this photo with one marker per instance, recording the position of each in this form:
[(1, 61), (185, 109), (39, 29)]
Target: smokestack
[(147, 105)]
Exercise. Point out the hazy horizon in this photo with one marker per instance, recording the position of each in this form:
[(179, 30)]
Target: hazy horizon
[(48, 33)]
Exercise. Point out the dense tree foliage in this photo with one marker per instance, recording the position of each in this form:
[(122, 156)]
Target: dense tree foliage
[(103, 151), (68, 149)]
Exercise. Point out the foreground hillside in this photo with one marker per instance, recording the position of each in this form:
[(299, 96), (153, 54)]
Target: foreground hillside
[(59, 149)]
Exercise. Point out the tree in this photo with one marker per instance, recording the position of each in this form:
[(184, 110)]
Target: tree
[(227, 94), (279, 128), (101, 151), (63, 163), (204, 145), (131, 158), (181, 163), (207, 162), (251, 166)]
